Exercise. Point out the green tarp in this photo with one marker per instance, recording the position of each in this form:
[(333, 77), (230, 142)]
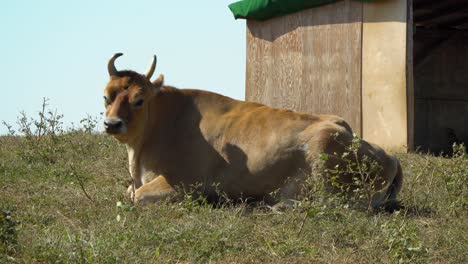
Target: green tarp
[(265, 9)]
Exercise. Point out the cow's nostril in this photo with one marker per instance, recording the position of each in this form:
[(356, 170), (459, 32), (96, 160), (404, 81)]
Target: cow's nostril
[(113, 123), (107, 124)]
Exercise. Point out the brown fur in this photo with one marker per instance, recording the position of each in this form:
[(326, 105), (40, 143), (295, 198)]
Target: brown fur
[(185, 137)]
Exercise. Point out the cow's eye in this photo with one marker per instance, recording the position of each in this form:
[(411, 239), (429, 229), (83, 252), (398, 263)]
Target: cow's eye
[(138, 103)]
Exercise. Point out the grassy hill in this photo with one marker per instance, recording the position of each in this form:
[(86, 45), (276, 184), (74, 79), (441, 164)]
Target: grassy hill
[(62, 196)]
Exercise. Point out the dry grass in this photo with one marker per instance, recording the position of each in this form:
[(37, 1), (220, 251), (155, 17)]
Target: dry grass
[(62, 200)]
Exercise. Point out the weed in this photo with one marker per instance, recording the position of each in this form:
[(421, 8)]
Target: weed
[(353, 176), (402, 239)]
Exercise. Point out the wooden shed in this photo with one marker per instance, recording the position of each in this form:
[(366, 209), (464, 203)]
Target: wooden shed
[(396, 70)]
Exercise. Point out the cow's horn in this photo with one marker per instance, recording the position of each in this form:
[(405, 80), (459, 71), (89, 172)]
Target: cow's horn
[(111, 66), (150, 71)]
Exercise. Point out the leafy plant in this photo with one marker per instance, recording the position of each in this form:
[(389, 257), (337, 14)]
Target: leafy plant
[(364, 185), (402, 239)]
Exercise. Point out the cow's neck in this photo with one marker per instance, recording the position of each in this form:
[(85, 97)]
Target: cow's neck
[(161, 111), (135, 146)]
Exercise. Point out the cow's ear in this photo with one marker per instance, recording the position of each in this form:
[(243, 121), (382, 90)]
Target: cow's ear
[(159, 82)]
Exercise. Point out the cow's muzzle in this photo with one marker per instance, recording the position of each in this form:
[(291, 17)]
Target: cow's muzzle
[(114, 126)]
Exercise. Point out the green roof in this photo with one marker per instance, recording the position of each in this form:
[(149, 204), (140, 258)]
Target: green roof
[(265, 9)]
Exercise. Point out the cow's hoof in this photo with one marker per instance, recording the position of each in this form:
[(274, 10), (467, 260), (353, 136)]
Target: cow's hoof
[(280, 207), (130, 190)]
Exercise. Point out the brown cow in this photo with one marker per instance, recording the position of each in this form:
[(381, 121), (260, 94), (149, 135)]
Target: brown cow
[(186, 137)]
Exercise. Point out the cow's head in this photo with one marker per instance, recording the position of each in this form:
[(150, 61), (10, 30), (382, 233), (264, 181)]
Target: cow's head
[(126, 98)]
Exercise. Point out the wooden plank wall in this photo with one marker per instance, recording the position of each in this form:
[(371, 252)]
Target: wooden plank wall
[(309, 61), (441, 89)]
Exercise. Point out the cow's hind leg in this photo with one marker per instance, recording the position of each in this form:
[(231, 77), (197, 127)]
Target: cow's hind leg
[(287, 196), (379, 181), (155, 190), (391, 203)]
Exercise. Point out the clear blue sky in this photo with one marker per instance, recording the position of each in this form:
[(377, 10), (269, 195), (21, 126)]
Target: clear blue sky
[(59, 50)]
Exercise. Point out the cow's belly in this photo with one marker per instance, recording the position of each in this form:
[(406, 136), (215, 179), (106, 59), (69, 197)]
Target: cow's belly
[(257, 172)]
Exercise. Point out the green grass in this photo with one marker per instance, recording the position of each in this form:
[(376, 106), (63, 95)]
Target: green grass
[(60, 195)]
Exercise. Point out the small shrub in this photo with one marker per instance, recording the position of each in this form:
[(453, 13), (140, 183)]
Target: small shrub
[(41, 136), (89, 124), (48, 146), (362, 188), (402, 239)]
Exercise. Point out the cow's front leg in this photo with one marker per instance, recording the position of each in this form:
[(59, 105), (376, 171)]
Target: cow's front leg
[(155, 190), (131, 191), (137, 183)]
